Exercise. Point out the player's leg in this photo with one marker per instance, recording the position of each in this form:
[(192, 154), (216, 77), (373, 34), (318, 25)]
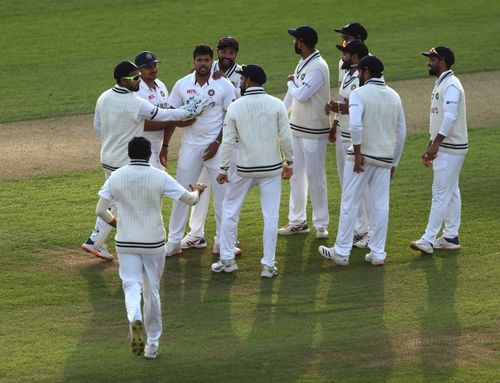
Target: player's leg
[(314, 154), (270, 196), (354, 184), (200, 210), (340, 153), (378, 186), (152, 272), (452, 215), (443, 188), (189, 167), (297, 220), (235, 197)]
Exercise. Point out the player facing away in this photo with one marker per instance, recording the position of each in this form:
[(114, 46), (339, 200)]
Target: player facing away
[(119, 116), (446, 153), (378, 131), (140, 238), (260, 124)]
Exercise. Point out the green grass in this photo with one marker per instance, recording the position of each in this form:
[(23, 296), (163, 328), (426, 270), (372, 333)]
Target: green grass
[(57, 57), (418, 319)]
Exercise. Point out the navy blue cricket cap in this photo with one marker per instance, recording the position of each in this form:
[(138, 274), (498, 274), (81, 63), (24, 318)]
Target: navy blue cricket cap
[(354, 47), (124, 69), (370, 63), (254, 72), (354, 29), (306, 34), (441, 52), (145, 58)]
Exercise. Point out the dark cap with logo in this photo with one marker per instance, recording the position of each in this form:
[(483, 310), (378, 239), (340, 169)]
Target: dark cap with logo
[(306, 34), (441, 52), (254, 72), (354, 29), (354, 47), (228, 42), (372, 64), (145, 58), (124, 69)]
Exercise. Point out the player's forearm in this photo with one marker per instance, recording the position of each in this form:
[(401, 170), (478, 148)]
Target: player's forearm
[(158, 125)]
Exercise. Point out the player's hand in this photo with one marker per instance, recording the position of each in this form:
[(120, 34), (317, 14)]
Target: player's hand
[(358, 163), (210, 151), (328, 108), (185, 123), (200, 188), (430, 155), (332, 137), (218, 74), (164, 156), (393, 172), (334, 105), (291, 77), (287, 173), (343, 106), (222, 178)]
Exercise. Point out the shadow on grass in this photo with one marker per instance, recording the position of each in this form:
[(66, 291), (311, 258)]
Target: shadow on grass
[(440, 327)]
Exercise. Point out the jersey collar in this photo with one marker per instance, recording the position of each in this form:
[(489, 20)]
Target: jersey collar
[(254, 90), (120, 89), (138, 162)]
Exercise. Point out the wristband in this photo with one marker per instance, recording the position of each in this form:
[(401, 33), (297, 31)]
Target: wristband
[(165, 146)]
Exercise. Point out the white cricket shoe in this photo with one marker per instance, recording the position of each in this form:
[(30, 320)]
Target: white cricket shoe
[(216, 249), (172, 249), (268, 271), (321, 233), (443, 243), (190, 241), (151, 351), (228, 266), (290, 229), (136, 341), (358, 236), (101, 252), (422, 245), (362, 243), (330, 254), (375, 262)]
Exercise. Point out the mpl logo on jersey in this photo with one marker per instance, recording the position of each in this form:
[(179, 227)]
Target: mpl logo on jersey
[(191, 91)]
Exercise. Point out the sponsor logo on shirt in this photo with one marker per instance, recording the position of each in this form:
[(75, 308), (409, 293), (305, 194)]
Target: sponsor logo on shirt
[(191, 91)]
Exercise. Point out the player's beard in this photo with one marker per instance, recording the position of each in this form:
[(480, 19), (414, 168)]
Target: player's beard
[(203, 71), (297, 49), (242, 90), (225, 64), (346, 64), (433, 70)]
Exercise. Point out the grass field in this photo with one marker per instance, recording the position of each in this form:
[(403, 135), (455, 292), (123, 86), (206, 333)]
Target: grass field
[(59, 56), (418, 319)]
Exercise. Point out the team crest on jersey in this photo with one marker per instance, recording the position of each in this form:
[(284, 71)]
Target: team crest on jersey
[(437, 96), (191, 91), (353, 86), (303, 76), (211, 92), (162, 93)]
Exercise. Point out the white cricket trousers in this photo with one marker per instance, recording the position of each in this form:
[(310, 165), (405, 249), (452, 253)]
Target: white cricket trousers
[(309, 174), (270, 195), (200, 210), (362, 220), (377, 180), (189, 168), (141, 274), (446, 202)]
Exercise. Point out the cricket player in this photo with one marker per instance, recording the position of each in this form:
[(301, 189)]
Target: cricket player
[(225, 66), (352, 52), (260, 124), (140, 237), (200, 141), (378, 131), (446, 153), (119, 116), (154, 90), (308, 92)]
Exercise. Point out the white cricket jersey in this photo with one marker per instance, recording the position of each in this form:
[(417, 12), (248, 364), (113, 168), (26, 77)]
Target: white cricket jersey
[(140, 226), (349, 83), (157, 96), (230, 74), (209, 124)]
